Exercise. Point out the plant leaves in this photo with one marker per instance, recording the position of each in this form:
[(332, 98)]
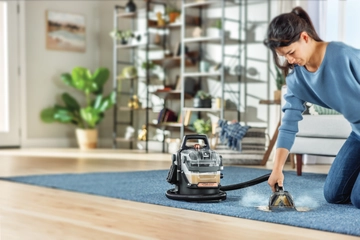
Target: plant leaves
[(47, 115), (70, 102), (67, 79), (108, 102), (63, 116), (81, 78), (90, 115), (100, 77)]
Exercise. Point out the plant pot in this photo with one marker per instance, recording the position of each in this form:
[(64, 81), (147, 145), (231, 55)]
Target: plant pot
[(202, 103), (277, 95), (87, 138), (173, 16)]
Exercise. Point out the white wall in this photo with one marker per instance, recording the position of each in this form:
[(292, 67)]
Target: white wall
[(43, 67), (41, 79)]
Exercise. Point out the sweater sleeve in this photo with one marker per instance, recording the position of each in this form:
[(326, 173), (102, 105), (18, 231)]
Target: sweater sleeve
[(293, 109)]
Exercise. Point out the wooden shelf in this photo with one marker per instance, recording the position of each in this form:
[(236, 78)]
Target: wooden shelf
[(124, 139), (171, 126), (270, 102), (201, 74), (201, 109), (171, 61), (127, 15), (217, 40), (138, 45), (132, 109), (204, 4), (171, 95)]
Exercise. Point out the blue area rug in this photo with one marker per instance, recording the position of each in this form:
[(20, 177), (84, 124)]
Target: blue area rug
[(150, 187)]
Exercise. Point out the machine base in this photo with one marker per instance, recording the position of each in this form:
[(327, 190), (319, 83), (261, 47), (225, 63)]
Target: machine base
[(171, 194)]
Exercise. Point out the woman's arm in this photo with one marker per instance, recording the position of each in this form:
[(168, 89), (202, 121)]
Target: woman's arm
[(277, 175)]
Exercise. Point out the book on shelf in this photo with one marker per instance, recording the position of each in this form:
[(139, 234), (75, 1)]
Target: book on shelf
[(190, 117), (167, 115)]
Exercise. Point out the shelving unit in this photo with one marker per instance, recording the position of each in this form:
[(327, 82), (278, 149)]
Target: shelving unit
[(119, 14), (221, 76), (260, 20), (234, 85)]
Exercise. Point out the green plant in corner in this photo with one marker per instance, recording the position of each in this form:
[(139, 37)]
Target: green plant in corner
[(91, 85)]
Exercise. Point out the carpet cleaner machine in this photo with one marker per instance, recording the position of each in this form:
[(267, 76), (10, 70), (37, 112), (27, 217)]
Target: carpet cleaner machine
[(196, 173)]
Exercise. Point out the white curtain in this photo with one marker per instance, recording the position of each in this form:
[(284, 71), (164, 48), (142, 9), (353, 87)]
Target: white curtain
[(339, 21)]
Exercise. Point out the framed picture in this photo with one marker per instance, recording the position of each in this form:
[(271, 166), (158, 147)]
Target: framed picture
[(65, 31)]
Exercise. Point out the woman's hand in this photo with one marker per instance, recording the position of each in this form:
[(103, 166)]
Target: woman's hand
[(276, 176)]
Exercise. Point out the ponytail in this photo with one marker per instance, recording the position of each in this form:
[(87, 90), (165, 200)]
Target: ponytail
[(285, 29)]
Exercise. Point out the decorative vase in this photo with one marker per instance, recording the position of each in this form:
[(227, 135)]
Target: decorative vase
[(130, 6), (87, 138)]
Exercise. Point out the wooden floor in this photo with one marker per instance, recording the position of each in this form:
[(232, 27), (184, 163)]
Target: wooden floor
[(36, 213)]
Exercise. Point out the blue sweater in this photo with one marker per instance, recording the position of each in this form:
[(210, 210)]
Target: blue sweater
[(335, 85)]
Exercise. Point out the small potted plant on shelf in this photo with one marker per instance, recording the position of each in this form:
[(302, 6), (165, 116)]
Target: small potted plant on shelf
[(124, 36), (128, 72), (86, 117), (203, 127), (216, 29), (202, 99), (172, 11)]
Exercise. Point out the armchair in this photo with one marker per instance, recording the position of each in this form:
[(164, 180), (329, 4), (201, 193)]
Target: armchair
[(321, 135)]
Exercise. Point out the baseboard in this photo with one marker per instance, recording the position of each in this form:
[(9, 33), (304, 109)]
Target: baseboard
[(60, 143)]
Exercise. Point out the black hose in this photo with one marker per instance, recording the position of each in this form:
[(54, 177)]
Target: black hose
[(246, 184)]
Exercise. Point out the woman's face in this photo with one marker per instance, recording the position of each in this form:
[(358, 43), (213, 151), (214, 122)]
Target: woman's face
[(297, 52)]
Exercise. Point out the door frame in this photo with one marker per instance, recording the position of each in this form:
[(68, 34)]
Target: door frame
[(12, 138)]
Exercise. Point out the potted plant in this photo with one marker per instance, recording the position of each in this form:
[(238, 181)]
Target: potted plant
[(124, 36), (203, 127), (86, 117), (128, 72), (149, 65), (216, 29), (202, 99), (172, 11), (280, 81)]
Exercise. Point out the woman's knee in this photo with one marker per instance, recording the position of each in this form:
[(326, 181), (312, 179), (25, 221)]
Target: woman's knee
[(355, 199), (355, 193), (334, 196)]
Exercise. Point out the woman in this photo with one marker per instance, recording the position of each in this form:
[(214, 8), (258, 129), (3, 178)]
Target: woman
[(326, 74)]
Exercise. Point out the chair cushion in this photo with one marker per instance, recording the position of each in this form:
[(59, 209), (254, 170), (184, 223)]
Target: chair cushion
[(324, 126), (317, 146)]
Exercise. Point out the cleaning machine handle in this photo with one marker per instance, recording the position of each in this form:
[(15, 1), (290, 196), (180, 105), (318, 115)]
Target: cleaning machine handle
[(246, 184), (195, 136), (278, 188)]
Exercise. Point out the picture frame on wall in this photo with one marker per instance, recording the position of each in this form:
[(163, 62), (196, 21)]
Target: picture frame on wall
[(65, 31)]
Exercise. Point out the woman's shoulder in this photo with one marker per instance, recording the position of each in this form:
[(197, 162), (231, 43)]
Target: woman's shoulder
[(342, 49)]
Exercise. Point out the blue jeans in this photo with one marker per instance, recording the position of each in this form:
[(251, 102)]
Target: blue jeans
[(342, 184)]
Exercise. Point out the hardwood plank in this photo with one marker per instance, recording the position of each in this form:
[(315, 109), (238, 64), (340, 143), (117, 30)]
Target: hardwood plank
[(32, 212)]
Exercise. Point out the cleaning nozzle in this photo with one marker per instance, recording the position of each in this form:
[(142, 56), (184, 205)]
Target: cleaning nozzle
[(281, 200)]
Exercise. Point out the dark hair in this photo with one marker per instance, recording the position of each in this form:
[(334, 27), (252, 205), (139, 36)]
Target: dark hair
[(285, 29)]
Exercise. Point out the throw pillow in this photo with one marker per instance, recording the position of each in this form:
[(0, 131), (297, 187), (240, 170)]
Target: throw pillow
[(318, 110)]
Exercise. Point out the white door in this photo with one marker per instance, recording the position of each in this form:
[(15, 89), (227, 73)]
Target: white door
[(9, 75)]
